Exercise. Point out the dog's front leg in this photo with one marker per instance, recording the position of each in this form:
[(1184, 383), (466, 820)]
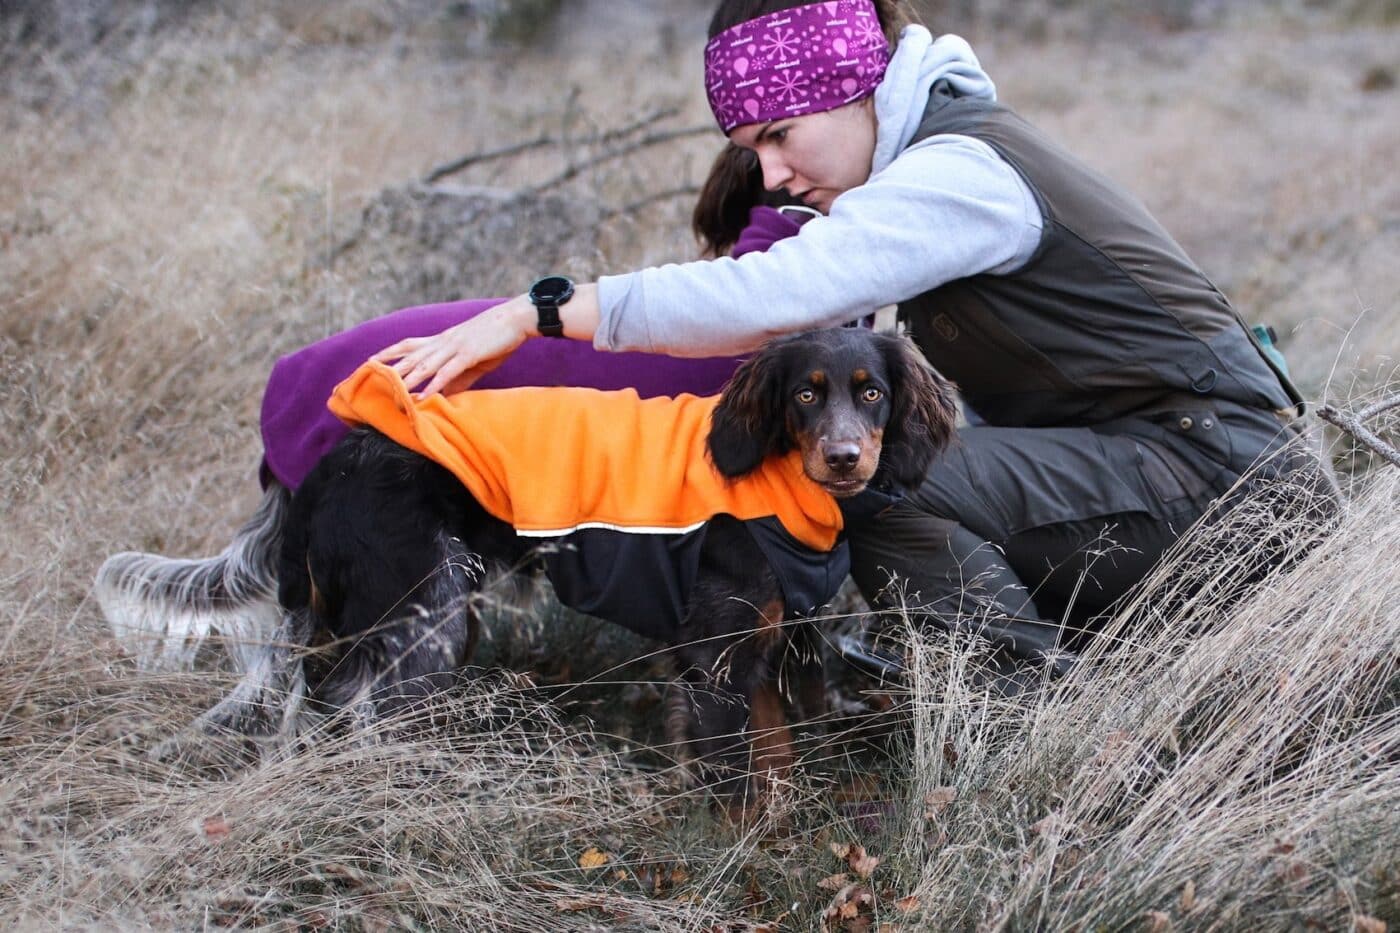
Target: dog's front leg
[(734, 641)]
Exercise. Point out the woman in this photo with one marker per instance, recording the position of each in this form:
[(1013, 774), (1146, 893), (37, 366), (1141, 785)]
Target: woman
[(1118, 394)]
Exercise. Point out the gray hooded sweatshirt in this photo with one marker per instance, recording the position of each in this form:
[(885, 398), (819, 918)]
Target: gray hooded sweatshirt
[(946, 208)]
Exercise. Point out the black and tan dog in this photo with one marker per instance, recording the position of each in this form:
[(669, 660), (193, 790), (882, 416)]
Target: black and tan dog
[(379, 552)]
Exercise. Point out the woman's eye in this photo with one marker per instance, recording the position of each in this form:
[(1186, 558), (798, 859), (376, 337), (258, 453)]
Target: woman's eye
[(778, 135), (872, 394), (806, 396)]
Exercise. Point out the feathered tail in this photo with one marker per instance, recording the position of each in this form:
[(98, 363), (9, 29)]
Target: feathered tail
[(165, 609)]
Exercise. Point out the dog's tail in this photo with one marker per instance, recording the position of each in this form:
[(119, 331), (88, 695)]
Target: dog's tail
[(164, 609)]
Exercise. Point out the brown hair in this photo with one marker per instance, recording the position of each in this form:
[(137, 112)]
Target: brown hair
[(735, 182), (734, 185)]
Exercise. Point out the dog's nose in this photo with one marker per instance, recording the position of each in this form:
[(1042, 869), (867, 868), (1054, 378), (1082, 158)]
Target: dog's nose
[(842, 457)]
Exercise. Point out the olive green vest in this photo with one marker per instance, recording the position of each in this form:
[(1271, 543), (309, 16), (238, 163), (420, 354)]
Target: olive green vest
[(1109, 317)]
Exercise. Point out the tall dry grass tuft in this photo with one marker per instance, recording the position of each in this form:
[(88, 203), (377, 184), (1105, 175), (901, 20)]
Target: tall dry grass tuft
[(1221, 763), (1227, 757)]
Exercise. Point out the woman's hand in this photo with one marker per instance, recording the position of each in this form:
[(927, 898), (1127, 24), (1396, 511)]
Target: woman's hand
[(456, 358)]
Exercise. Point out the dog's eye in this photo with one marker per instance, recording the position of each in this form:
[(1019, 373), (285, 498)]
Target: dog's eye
[(805, 396), (871, 394)]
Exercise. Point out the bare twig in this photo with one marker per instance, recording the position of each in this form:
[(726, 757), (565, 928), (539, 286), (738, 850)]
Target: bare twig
[(548, 139), (1352, 424), (456, 165), (668, 194), (652, 139)]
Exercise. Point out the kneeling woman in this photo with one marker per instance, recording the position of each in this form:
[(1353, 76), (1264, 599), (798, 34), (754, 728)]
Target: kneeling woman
[(1117, 393)]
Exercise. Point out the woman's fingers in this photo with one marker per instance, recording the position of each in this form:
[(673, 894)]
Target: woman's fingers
[(445, 375), (400, 349), (457, 357)]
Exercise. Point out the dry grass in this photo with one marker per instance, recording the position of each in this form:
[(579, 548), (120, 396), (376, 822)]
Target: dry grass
[(165, 207)]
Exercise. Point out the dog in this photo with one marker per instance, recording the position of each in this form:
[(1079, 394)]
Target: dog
[(377, 555)]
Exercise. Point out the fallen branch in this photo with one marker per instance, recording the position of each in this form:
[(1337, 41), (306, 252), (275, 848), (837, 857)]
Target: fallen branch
[(1353, 425), (651, 199), (653, 139), (607, 136), (456, 165)]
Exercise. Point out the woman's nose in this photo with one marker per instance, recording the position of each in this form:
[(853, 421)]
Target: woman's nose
[(776, 172)]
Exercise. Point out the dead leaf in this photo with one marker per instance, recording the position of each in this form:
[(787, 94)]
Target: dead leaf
[(1188, 897), (679, 875), (1158, 921), (938, 800), (861, 863), (216, 828), (841, 849), (834, 882), (850, 910), (1066, 859), (593, 858), (907, 905), (1366, 924)]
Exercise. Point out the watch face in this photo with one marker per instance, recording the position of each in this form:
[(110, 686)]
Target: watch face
[(552, 289)]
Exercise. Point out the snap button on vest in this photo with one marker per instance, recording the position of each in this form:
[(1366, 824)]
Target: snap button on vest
[(1186, 423), (1207, 423)]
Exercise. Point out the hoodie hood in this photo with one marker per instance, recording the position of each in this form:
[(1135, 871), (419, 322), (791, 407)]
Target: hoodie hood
[(918, 63)]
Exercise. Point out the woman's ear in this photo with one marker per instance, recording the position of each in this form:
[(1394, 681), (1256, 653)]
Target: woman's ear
[(748, 424), (923, 415)]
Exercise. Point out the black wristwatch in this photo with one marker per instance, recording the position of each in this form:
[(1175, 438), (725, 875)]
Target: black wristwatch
[(547, 295)]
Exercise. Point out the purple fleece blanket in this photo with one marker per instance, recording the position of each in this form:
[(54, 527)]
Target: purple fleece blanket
[(298, 429)]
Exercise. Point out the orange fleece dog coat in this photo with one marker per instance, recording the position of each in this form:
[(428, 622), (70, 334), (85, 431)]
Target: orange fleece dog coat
[(553, 461)]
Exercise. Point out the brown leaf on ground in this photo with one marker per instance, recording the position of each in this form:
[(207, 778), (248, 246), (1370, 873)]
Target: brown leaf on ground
[(861, 863), (215, 828), (592, 858), (1368, 924), (908, 905), (850, 911), (841, 849), (938, 800), (1188, 897), (834, 882), (1158, 921)]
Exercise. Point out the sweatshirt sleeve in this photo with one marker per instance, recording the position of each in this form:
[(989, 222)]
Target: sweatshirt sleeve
[(947, 208)]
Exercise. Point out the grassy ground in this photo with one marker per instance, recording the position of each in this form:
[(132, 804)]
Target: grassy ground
[(170, 190)]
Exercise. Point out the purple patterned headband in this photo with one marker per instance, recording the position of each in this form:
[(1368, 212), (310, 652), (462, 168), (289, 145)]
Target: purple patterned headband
[(803, 60)]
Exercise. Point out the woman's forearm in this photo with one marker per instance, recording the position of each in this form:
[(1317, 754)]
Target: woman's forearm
[(456, 358)]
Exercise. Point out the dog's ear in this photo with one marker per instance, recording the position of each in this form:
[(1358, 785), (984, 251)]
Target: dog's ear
[(749, 422), (923, 413)]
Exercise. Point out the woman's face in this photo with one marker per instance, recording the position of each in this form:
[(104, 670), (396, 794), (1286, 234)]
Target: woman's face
[(815, 156)]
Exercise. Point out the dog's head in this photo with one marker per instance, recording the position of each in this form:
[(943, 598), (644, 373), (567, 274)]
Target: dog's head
[(856, 404)]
